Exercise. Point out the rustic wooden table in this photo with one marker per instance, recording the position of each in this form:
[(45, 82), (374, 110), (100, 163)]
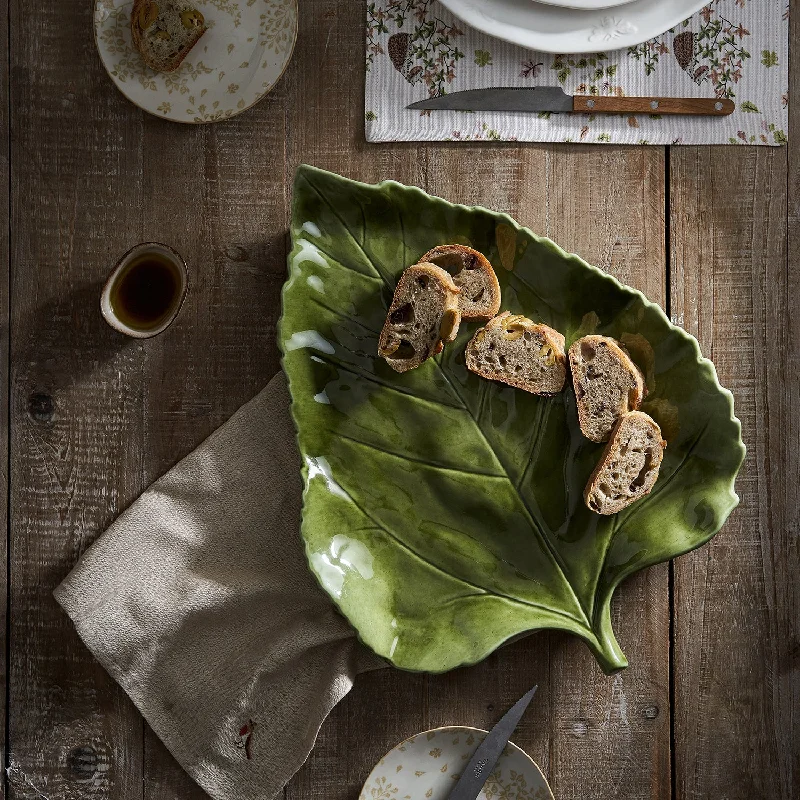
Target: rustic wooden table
[(711, 704)]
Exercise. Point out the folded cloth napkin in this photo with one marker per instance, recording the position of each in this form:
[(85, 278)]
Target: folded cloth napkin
[(199, 603), (731, 48)]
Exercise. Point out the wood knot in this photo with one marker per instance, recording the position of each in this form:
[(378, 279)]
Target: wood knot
[(41, 407), (237, 254), (650, 712), (84, 762)]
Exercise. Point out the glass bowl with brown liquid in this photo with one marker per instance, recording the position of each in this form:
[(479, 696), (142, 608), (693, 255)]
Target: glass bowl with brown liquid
[(145, 290)]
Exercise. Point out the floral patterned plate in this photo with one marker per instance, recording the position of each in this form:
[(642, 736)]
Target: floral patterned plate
[(239, 59), (428, 764)]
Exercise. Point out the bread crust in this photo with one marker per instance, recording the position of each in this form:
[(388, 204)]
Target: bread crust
[(550, 335), (636, 393), (490, 283), (610, 451), (400, 299)]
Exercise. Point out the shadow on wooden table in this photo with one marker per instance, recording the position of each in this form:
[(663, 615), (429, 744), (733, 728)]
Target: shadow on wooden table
[(71, 332)]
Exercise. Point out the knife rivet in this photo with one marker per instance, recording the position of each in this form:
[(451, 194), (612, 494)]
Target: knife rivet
[(718, 106), (650, 712), (654, 104), (590, 104)]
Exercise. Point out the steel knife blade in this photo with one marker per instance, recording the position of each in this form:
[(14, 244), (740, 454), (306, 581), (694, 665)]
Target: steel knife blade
[(554, 99), (538, 98), (483, 760)]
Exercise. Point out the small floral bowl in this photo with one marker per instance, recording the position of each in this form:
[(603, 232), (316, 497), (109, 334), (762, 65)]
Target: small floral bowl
[(428, 765), (237, 61)]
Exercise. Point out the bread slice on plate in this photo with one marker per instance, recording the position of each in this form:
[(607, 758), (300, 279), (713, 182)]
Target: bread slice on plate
[(607, 384), (629, 466), (473, 274), (422, 317), (515, 350), (164, 31)]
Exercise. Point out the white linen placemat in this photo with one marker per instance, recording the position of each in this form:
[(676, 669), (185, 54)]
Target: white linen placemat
[(731, 48)]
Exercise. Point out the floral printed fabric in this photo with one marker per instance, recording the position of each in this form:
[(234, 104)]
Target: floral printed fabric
[(732, 48)]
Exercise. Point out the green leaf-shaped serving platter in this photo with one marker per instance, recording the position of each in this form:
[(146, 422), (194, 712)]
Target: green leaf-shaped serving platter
[(444, 513)]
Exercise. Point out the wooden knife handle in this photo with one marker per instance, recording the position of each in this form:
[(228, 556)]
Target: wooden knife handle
[(594, 104)]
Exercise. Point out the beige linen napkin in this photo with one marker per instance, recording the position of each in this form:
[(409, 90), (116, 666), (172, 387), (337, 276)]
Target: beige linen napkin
[(199, 602)]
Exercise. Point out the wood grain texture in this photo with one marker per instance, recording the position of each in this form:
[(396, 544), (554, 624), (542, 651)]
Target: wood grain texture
[(736, 602), (75, 401), (5, 179), (735, 284), (96, 417), (787, 598), (230, 226)]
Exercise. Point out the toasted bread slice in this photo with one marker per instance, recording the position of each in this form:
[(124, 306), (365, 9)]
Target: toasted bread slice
[(512, 349), (164, 31), (607, 384), (422, 317), (629, 466), (473, 274)]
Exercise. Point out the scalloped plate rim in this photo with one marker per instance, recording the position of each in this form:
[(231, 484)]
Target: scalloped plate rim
[(529, 24)]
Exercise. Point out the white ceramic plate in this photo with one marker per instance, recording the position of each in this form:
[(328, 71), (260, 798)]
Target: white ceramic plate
[(427, 766), (239, 59), (552, 29), (587, 5)]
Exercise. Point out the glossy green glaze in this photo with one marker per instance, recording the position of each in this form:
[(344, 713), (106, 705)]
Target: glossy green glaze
[(444, 513)]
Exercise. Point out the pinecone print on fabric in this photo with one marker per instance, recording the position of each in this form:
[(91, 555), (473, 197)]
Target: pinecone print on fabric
[(400, 55), (716, 52), (684, 46)]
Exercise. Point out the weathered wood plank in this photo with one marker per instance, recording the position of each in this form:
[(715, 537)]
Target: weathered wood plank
[(735, 281), (5, 178), (75, 400), (788, 596), (96, 418), (736, 671), (229, 222)]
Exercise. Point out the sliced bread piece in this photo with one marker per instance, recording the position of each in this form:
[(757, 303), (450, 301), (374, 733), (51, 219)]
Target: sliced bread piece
[(164, 31), (515, 350), (607, 384), (473, 274), (423, 315), (629, 466)]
